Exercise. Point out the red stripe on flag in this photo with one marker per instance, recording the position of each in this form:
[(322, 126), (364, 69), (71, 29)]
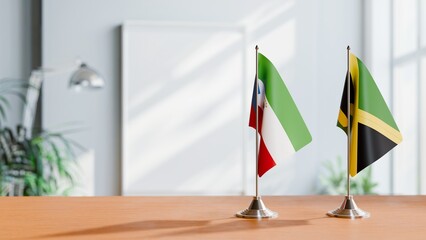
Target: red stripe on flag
[(252, 120), (265, 159)]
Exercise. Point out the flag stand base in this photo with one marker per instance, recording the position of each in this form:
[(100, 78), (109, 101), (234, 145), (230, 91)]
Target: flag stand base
[(348, 209), (257, 209)]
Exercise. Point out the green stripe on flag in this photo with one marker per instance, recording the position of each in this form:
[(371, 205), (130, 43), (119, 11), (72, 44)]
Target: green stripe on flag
[(370, 99), (282, 104)]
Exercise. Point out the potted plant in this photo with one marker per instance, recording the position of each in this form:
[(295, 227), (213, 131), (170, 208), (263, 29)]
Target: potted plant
[(35, 165), (334, 180)]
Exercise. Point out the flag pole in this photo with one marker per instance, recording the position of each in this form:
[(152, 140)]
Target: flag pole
[(348, 90), (348, 209), (257, 123), (257, 208)]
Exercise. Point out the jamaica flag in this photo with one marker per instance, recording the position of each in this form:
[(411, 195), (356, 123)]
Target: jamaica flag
[(373, 129)]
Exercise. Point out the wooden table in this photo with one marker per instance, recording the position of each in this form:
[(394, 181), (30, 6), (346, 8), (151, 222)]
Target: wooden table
[(301, 217)]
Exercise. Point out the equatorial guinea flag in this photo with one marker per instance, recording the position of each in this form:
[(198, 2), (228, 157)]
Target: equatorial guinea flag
[(281, 127), (373, 129)]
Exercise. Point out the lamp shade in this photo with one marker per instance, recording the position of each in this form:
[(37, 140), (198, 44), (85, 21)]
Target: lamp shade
[(86, 77)]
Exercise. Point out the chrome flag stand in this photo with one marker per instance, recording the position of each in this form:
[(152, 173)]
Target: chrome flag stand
[(348, 209), (257, 208)]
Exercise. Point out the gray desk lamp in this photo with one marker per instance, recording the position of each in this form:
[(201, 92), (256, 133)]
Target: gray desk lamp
[(84, 77)]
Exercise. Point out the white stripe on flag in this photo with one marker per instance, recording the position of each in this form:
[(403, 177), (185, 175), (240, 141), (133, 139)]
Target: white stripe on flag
[(274, 135)]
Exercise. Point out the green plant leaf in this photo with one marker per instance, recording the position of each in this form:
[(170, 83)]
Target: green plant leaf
[(46, 161), (335, 177)]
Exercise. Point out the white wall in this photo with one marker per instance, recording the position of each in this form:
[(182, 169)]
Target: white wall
[(306, 40), (15, 48)]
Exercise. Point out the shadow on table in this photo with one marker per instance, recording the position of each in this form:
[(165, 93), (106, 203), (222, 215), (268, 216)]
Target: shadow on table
[(131, 227), (198, 226), (238, 225)]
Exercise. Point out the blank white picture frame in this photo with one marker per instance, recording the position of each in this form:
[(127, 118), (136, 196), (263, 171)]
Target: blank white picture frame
[(183, 109)]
